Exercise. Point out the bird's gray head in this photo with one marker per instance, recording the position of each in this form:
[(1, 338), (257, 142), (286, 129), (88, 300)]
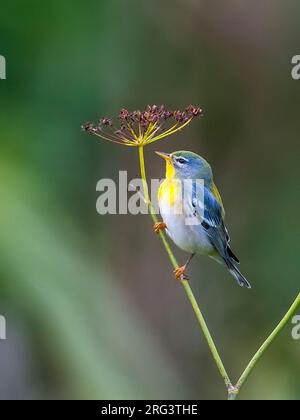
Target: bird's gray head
[(186, 165)]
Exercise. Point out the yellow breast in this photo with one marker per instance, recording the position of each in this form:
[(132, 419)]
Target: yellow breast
[(170, 189), (168, 192)]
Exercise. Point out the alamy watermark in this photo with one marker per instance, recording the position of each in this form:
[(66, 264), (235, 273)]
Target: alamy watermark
[(296, 67), (178, 197), (296, 328), (2, 67), (2, 328)]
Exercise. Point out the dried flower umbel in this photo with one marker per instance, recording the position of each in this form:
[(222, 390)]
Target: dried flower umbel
[(139, 128)]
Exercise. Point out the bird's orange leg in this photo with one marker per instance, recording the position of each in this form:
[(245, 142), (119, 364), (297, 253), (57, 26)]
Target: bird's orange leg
[(159, 226), (180, 271)]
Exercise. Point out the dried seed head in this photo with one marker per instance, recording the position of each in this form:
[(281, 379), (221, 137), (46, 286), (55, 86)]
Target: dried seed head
[(124, 114), (89, 128), (138, 128), (107, 122), (194, 111)]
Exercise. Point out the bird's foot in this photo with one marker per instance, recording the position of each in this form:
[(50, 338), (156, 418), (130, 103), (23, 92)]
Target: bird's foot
[(159, 226), (179, 273)]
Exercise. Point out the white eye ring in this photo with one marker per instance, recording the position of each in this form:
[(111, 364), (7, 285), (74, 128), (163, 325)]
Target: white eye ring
[(181, 161)]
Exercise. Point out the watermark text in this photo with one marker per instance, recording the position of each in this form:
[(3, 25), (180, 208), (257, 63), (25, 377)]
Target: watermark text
[(296, 328), (2, 328), (2, 67), (296, 67), (174, 197)]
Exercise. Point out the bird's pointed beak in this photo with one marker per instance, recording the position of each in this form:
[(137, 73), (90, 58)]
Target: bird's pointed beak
[(166, 156)]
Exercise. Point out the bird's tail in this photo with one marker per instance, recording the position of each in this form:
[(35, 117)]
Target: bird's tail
[(242, 281), (231, 261)]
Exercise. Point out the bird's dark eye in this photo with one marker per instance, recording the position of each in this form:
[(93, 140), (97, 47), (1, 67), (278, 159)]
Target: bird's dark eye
[(181, 160)]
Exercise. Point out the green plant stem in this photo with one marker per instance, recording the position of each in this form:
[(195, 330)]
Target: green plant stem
[(258, 355), (185, 283)]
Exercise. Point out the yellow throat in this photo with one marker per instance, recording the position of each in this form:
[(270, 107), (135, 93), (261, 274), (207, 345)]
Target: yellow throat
[(168, 190)]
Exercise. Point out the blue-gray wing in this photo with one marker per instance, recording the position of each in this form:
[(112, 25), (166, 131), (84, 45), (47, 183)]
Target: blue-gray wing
[(213, 223)]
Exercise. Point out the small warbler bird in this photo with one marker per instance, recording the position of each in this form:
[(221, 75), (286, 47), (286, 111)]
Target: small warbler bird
[(194, 217)]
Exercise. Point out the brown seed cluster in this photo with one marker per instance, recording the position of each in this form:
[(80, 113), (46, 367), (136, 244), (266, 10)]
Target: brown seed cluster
[(142, 127)]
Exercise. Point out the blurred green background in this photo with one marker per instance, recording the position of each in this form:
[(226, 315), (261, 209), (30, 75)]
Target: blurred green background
[(91, 305)]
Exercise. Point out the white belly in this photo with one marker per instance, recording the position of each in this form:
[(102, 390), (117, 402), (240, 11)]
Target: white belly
[(186, 231)]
